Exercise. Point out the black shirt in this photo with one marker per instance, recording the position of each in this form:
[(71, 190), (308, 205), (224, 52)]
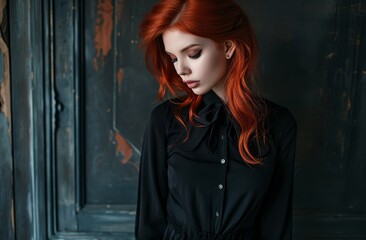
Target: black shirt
[(202, 189)]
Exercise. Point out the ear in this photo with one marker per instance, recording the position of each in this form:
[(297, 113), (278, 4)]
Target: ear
[(229, 48)]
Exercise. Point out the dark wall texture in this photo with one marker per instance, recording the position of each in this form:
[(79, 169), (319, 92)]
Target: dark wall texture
[(80, 97)]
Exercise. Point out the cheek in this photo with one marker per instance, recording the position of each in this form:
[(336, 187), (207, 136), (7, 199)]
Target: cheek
[(216, 66)]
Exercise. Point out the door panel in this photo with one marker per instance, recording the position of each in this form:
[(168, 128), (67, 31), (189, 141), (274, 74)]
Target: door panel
[(100, 115)]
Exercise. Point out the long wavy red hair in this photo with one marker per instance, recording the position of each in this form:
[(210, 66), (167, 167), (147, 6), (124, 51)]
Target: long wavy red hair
[(218, 20)]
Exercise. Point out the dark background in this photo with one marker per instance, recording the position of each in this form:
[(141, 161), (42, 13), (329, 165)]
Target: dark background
[(80, 97)]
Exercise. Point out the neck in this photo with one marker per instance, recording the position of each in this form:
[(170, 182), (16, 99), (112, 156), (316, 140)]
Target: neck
[(220, 93)]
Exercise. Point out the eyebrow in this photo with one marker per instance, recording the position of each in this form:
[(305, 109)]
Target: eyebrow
[(186, 48)]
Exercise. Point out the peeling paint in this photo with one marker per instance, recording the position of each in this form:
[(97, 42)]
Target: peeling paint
[(120, 76), (1, 99), (5, 106), (123, 148), (119, 9), (5, 81), (103, 32)]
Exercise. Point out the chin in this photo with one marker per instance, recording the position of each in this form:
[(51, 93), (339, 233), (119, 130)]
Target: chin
[(199, 91)]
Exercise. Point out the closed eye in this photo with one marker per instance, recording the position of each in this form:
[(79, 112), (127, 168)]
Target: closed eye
[(196, 55)]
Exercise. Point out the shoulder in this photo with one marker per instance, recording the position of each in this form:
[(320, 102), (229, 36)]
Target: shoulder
[(280, 120), (163, 113)]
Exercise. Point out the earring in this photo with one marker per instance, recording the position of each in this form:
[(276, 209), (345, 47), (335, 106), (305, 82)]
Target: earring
[(228, 56)]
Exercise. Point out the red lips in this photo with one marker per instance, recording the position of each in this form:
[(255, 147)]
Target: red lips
[(192, 84)]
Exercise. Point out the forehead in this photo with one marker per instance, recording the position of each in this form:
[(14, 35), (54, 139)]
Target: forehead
[(175, 40)]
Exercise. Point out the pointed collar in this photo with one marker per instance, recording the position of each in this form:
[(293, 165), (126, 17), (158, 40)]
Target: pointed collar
[(212, 110), (215, 110)]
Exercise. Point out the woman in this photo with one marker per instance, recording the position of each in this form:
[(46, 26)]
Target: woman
[(217, 160)]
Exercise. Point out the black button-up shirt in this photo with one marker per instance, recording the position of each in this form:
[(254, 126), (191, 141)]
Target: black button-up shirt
[(202, 189)]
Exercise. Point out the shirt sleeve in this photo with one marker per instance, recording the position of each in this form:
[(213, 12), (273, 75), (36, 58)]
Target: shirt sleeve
[(275, 219), (152, 188)]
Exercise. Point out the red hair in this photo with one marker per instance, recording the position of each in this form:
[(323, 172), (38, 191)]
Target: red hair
[(218, 20)]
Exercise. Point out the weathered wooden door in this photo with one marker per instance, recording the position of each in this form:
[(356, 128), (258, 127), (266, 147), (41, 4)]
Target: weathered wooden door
[(81, 97), (89, 95)]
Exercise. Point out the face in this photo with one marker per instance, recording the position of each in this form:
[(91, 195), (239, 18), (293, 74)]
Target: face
[(200, 62)]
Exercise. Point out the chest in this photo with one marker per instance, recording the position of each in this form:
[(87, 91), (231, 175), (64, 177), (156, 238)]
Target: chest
[(209, 161)]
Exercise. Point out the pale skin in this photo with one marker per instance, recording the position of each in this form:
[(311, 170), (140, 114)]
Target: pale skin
[(200, 62)]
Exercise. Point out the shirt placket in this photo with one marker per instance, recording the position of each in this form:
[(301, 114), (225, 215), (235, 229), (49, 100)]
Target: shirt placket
[(221, 179)]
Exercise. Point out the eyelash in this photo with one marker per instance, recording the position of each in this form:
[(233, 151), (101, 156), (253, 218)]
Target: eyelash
[(196, 56)]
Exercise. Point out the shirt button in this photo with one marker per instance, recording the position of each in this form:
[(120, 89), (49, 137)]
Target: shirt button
[(223, 161), (220, 186), (217, 214), (222, 137)]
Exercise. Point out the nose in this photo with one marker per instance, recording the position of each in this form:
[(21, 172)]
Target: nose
[(182, 68)]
